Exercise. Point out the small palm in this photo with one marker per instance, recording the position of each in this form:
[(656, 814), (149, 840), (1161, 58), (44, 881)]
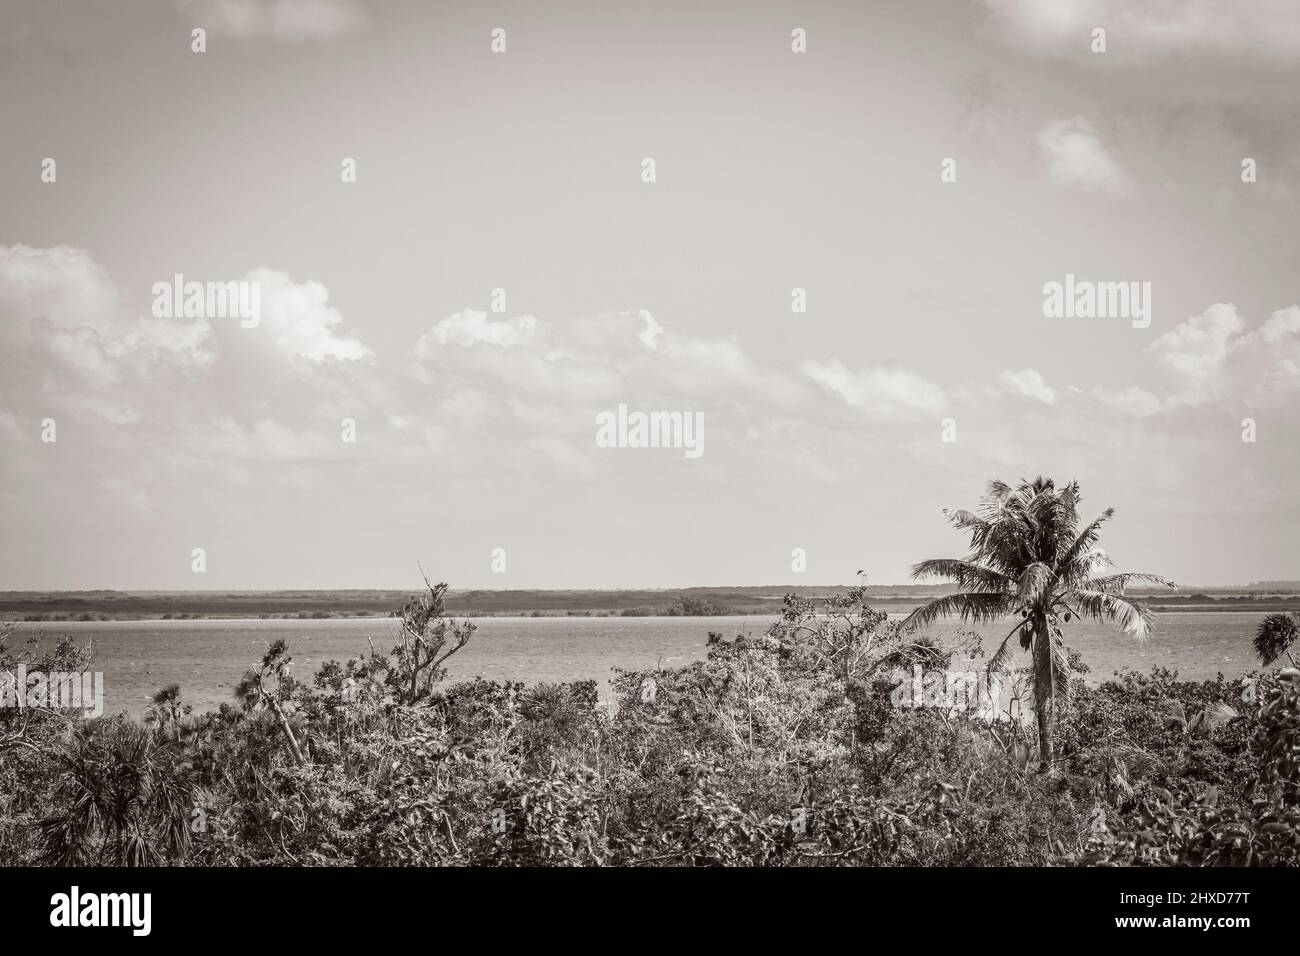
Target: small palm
[(1276, 636)]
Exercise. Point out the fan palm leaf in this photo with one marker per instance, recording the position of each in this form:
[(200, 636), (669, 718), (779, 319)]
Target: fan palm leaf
[(1274, 637)]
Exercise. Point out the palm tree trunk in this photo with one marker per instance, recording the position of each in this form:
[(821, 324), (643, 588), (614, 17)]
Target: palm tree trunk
[(1044, 736), (1044, 692)]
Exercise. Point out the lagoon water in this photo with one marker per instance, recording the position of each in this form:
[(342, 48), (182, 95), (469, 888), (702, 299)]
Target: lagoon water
[(208, 657)]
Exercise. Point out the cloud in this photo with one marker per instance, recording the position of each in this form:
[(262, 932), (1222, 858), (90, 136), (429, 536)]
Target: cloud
[(1268, 28), (1076, 156), (1211, 357), (62, 284), (64, 340), (200, 388), (623, 356), (1028, 383), (650, 330), (471, 328), (1195, 350), (508, 356), (298, 319), (883, 392), (284, 20), (202, 425)]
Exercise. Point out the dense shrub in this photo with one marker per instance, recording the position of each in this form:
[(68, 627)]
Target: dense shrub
[(783, 749)]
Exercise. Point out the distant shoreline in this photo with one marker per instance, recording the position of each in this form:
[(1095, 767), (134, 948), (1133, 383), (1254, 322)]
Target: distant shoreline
[(51, 607)]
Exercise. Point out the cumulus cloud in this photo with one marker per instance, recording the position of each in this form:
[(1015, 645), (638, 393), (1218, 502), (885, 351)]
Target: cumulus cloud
[(286, 20), (1076, 156), (1196, 349), (297, 317), (1212, 357), (62, 284), (1028, 383), (70, 349), (186, 343), (64, 339)]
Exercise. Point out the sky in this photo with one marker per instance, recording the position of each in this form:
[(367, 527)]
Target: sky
[(474, 448)]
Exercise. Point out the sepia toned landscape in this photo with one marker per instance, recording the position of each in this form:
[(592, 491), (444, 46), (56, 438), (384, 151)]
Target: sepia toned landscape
[(522, 456)]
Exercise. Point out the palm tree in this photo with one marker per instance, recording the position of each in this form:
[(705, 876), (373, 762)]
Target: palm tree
[(164, 711), (127, 797), (1029, 558), (254, 691), (1275, 636)]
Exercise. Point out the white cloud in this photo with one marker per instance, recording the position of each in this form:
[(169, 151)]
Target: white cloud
[(1196, 349), (1076, 156), (650, 330), (1211, 357), (188, 343), (510, 356), (62, 284), (1280, 327), (883, 392), (62, 334), (298, 319), (472, 328), (1028, 383), (70, 350)]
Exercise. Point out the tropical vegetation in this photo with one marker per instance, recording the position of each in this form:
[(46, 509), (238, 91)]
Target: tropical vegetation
[(835, 738)]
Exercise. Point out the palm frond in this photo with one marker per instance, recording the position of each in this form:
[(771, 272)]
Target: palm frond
[(967, 575), (1000, 660), (1033, 582), (1132, 616), (1082, 545), (972, 606), (1116, 583), (1051, 668)]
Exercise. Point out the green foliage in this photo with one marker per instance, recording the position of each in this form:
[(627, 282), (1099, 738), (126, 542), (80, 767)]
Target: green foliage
[(1192, 824), (787, 748)]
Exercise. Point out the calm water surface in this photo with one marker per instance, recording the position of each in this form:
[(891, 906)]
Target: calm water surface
[(207, 657)]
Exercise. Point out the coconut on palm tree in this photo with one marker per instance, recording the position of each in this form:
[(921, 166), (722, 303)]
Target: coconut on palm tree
[(1030, 560)]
